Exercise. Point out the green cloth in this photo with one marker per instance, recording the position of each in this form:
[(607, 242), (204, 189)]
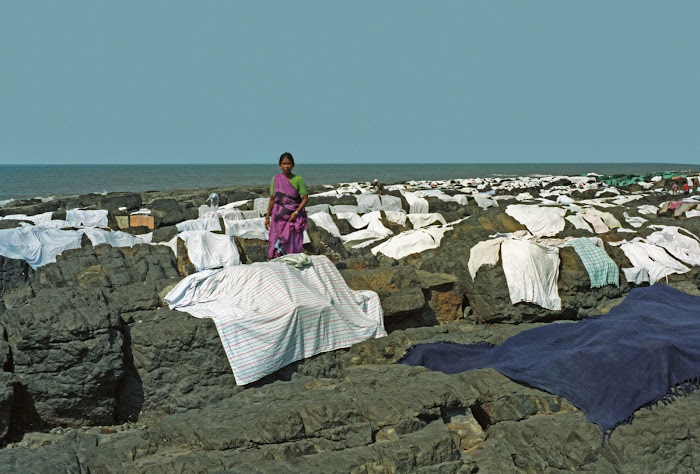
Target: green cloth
[(297, 183), (601, 269)]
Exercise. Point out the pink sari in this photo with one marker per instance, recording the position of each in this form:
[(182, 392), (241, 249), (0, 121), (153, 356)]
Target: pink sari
[(285, 237)]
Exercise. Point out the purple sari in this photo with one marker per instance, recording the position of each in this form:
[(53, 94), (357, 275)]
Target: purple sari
[(285, 235)]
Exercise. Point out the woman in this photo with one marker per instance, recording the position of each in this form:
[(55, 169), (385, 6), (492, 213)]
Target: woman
[(286, 217)]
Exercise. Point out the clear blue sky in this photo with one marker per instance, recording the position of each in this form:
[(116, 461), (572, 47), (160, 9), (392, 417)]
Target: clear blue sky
[(156, 81)]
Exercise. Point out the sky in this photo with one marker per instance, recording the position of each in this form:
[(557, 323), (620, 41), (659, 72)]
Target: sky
[(381, 81)]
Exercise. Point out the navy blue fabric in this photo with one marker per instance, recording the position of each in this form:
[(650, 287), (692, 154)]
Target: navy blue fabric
[(608, 366)]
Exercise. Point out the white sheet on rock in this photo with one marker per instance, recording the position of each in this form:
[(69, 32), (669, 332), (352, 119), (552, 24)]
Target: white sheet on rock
[(247, 228), (271, 314), (37, 245), (368, 202), (484, 201), (441, 195), (311, 210), (325, 221), (341, 208), (416, 202), (411, 241), (424, 220), (532, 271), (359, 221), (653, 259), (205, 223), (397, 217), (391, 203), (524, 197), (375, 230), (206, 212), (541, 221), (114, 238), (579, 222), (692, 213), (684, 248), (231, 214), (87, 218), (260, 205), (485, 252), (634, 221), (207, 250)]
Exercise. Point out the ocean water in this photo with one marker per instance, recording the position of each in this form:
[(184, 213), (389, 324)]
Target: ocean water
[(29, 181)]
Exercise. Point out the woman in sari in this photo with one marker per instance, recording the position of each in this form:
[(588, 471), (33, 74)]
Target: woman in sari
[(286, 217)]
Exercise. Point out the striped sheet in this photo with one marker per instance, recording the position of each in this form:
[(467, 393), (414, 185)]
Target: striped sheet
[(270, 314)]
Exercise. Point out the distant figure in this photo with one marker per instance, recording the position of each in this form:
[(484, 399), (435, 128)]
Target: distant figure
[(686, 188), (286, 217), (674, 189), (377, 187)]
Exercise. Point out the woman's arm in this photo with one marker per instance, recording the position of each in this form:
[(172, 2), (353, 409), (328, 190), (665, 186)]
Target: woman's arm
[(304, 200), (269, 210)]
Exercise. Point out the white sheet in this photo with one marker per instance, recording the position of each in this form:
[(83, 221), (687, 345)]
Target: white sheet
[(87, 218), (417, 204), (375, 229), (684, 248), (397, 217), (247, 228), (424, 220), (654, 260), (37, 246), (114, 238), (541, 221), (411, 241), (532, 271), (485, 252), (634, 221), (578, 222), (203, 223), (207, 250), (260, 205), (271, 314), (391, 203), (325, 221)]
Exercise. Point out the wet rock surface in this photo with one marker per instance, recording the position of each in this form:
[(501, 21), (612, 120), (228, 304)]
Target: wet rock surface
[(98, 375)]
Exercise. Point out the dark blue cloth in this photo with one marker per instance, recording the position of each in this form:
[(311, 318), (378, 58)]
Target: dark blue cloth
[(608, 366)]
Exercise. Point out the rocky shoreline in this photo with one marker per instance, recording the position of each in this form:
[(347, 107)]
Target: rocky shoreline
[(99, 375)]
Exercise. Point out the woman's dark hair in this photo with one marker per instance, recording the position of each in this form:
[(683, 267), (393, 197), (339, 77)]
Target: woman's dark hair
[(287, 155)]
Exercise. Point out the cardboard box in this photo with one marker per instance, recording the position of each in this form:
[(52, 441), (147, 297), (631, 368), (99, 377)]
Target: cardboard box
[(138, 221)]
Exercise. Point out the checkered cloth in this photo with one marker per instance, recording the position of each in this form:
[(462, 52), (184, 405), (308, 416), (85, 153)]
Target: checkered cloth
[(601, 269)]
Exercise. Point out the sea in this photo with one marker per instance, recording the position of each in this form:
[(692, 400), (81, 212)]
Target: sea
[(46, 181)]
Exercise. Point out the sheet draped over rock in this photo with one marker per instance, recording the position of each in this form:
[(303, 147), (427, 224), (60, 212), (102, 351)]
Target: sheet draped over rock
[(541, 221), (37, 246), (207, 250), (247, 228), (416, 202), (532, 271), (204, 223), (326, 222), (486, 252), (87, 217), (271, 314), (601, 269), (424, 220), (650, 262), (608, 366), (579, 222), (684, 248), (411, 241)]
